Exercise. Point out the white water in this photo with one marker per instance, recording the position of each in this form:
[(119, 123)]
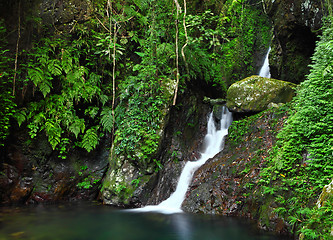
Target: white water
[(214, 141), (264, 71)]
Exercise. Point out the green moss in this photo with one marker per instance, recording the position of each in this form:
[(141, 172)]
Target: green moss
[(255, 93)]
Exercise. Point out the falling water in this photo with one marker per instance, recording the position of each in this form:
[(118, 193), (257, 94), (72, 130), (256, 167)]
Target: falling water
[(213, 141), (264, 71)]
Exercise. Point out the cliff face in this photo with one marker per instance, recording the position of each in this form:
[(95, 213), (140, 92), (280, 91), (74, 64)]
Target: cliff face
[(296, 28), (229, 183)]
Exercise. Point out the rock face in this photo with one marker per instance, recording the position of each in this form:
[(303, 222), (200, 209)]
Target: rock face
[(32, 173), (296, 24), (126, 186), (255, 94), (229, 183)]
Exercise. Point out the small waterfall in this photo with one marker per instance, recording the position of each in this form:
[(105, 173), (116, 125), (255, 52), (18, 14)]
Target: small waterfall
[(214, 142), (264, 71)]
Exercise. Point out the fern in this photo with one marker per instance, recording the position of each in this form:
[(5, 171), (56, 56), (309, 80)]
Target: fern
[(45, 87), (107, 119), (53, 131), (77, 127), (103, 99), (90, 139), (36, 75), (20, 117), (54, 67), (66, 61)]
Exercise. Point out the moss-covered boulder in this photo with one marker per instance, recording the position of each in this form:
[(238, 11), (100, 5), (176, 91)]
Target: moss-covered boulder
[(255, 94)]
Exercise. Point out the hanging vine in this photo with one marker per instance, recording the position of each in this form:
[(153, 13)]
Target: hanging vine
[(176, 49)]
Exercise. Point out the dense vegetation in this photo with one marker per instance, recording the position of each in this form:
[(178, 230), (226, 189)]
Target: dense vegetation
[(114, 74), (302, 158)]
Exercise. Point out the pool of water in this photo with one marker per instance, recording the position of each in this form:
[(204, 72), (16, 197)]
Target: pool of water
[(94, 221)]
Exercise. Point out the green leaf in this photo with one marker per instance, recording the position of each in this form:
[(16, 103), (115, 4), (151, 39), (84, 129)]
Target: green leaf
[(107, 119), (54, 67), (90, 139), (45, 87), (53, 131), (77, 127), (20, 117)]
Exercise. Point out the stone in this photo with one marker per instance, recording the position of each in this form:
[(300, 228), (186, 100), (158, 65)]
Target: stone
[(296, 28), (325, 194), (255, 94), (229, 183)]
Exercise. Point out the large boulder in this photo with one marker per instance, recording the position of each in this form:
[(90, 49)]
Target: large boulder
[(255, 94)]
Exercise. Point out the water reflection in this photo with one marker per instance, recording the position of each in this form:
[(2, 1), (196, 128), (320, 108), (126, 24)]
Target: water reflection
[(82, 222), (181, 223)]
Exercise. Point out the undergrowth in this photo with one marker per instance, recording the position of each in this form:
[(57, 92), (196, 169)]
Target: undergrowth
[(301, 162)]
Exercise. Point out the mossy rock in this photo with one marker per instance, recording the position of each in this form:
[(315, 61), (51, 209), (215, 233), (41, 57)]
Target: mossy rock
[(254, 94)]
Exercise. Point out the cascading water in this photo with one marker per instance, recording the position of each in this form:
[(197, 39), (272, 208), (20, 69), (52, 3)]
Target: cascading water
[(214, 141), (264, 71)]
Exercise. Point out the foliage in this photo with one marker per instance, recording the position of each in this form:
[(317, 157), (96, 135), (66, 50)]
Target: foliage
[(205, 41), (89, 178), (72, 100), (7, 104), (143, 98), (246, 30), (302, 159), (69, 74)]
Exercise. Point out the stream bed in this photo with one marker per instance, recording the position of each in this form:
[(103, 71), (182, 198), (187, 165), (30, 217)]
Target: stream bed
[(95, 221)]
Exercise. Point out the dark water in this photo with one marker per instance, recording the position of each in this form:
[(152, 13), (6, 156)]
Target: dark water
[(102, 222)]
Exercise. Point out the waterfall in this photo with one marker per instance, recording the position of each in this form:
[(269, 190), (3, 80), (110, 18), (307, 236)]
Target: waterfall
[(264, 71), (214, 142)]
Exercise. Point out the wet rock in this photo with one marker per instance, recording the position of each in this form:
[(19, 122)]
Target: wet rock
[(296, 24), (255, 94), (129, 174), (181, 140), (32, 173), (64, 14), (228, 184)]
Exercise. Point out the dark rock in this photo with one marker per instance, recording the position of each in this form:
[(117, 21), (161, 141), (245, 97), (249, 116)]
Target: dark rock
[(296, 24), (32, 173), (228, 184)]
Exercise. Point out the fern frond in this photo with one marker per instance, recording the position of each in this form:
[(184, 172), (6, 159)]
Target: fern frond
[(77, 127), (103, 99), (20, 117), (45, 87), (107, 119), (54, 67), (90, 139), (66, 61), (36, 75), (53, 131)]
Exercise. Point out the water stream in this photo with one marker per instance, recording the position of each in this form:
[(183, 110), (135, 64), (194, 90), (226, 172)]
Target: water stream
[(214, 143), (264, 71)]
